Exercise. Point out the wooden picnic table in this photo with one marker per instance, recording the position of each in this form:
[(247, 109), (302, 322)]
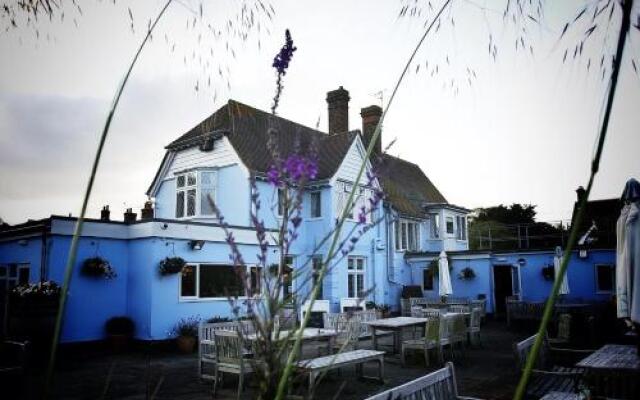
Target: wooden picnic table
[(613, 371), (394, 325), (562, 396)]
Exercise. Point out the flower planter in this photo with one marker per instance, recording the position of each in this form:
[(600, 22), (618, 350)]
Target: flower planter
[(118, 343), (186, 344)]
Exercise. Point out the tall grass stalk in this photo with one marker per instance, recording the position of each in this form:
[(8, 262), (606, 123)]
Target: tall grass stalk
[(68, 272), (282, 386), (575, 224)]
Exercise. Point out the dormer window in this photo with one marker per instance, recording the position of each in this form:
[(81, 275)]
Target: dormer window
[(193, 190)]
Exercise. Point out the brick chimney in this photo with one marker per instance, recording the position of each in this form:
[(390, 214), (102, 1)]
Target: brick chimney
[(105, 214), (580, 192), (130, 216), (370, 117), (338, 102), (146, 213)]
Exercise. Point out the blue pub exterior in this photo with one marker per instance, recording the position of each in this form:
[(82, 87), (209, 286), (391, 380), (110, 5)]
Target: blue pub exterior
[(218, 158)]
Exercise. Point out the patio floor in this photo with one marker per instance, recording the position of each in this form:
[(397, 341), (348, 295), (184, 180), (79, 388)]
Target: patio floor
[(485, 372)]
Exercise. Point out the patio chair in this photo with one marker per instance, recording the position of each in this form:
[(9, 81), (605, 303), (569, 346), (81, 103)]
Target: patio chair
[(430, 341), (348, 335), (230, 358), (457, 332), (207, 346), (564, 331), (459, 308), (474, 326)]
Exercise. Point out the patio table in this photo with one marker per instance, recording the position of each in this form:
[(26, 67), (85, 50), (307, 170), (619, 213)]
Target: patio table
[(308, 335), (394, 325), (562, 396), (613, 371)]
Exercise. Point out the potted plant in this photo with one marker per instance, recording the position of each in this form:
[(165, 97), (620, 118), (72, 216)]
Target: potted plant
[(548, 272), (171, 265), (467, 274), (186, 333), (385, 310), (98, 267), (119, 332)]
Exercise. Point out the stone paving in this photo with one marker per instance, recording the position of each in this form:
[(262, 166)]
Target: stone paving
[(486, 372)]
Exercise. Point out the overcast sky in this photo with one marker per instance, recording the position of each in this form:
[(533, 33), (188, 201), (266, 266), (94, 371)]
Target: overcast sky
[(523, 131)]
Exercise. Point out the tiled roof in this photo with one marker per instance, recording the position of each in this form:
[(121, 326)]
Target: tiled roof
[(406, 186), (247, 129), (404, 183)]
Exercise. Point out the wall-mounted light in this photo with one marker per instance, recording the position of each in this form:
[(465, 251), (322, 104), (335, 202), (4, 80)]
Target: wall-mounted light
[(164, 226), (522, 262), (196, 244), (583, 253)]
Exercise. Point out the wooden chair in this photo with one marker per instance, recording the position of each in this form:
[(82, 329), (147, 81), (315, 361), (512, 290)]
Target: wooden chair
[(564, 331), (547, 376), (430, 341), (207, 347), (473, 330), (438, 385), (457, 332), (348, 335), (460, 308), (230, 358)]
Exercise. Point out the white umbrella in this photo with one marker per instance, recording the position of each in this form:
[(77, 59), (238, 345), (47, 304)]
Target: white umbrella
[(628, 254), (443, 275), (557, 260)]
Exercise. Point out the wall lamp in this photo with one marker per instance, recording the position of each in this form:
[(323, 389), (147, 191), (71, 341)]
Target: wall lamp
[(196, 244)]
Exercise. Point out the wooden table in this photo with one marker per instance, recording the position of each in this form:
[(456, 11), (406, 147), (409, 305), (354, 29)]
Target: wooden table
[(613, 371), (394, 325), (562, 396), (308, 335)]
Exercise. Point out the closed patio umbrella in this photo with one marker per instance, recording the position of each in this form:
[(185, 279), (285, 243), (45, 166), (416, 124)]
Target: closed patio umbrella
[(628, 254), (557, 260), (443, 275)]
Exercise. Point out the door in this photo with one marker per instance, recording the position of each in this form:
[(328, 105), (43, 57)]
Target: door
[(502, 287)]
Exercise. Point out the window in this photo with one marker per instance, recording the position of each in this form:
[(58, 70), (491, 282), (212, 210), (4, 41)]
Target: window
[(605, 278), (281, 202), (316, 204), (287, 279), (205, 281), (435, 226), (355, 277), (343, 191), (316, 266), (461, 232), (407, 235), (193, 190), (14, 274), (450, 225), (427, 279)]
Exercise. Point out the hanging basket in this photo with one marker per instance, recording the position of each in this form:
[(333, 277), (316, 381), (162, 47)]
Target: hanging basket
[(171, 265), (98, 267), (467, 274)]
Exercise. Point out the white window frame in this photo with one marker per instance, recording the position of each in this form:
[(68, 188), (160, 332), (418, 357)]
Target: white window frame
[(313, 195), (355, 272), (406, 231), (13, 281), (435, 226), (613, 277), (198, 186), (197, 297), (461, 227)]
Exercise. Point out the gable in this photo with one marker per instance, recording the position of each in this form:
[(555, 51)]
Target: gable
[(351, 163)]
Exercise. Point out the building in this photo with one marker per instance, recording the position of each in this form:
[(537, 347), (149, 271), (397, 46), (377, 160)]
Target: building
[(218, 158)]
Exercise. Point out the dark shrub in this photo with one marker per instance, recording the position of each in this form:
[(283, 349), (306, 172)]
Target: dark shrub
[(120, 326)]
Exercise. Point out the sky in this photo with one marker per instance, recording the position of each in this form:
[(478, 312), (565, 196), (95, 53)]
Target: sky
[(521, 129)]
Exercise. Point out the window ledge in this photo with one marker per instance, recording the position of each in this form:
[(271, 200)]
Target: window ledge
[(315, 219), (213, 299)]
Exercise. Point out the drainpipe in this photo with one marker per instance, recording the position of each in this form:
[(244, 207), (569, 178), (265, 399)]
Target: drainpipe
[(389, 250), (373, 267)]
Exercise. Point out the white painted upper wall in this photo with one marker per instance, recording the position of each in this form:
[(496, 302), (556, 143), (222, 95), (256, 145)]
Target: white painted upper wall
[(223, 154), (348, 170)]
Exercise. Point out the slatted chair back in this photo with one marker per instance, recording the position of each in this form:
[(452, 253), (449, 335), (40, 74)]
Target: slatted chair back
[(438, 385), (458, 329), (457, 300), (366, 316), (564, 327), (417, 312), (474, 320), (460, 308), (445, 328), (522, 349), (405, 307), (349, 333), (228, 348), (432, 330), (432, 313), (481, 304)]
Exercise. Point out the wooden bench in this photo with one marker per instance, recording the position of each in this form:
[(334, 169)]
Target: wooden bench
[(546, 375), (438, 385), (316, 366)]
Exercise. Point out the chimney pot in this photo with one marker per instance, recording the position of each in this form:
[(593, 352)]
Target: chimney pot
[(105, 214), (338, 104), (580, 191), (130, 216), (370, 118), (146, 213)]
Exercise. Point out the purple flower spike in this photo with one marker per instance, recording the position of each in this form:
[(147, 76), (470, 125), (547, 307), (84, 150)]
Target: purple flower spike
[(362, 216), (283, 58), (273, 176)]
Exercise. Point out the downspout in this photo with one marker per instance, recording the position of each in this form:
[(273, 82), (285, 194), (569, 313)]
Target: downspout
[(373, 268), (389, 251), (43, 251)]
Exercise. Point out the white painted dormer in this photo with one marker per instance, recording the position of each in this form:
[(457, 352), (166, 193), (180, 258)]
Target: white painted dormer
[(448, 227)]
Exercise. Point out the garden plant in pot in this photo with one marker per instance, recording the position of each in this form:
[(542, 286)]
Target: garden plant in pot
[(186, 333), (98, 267), (119, 332), (171, 265)]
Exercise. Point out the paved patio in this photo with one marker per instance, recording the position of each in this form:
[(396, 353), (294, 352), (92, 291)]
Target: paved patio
[(486, 372)]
